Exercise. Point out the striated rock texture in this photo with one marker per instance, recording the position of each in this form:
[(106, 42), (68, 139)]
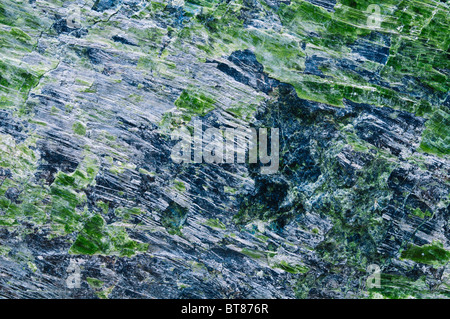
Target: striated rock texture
[(91, 90)]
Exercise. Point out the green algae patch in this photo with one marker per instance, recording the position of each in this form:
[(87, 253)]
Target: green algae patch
[(29, 205), (79, 129), (433, 254), (194, 102), (103, 294), (179, 186), (126, 214), (99, 288), (215, 223), (77, 179), (97, 238), (436, 137), (173, 218), (293, 269), (20, 35), (283, 56), (64, 208), (244, 112), (419, 213), (94, 283), (4, 250), (394, 286)]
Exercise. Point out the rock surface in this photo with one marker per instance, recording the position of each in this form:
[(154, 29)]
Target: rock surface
[(90, 92)]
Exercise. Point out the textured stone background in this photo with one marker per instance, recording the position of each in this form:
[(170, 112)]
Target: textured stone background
[(86, 111)]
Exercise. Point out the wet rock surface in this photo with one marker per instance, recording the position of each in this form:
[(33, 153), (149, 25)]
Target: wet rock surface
[(90, 92)]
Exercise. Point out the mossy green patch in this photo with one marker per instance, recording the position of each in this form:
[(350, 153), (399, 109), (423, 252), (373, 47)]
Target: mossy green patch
[(436, 137), (179, 186), (419, 213), (20, 35), (255, 254), (104, 293), (308, 28), (4, 250), (293, 269), (394, 286), (243, 112), (95, 283), (173, 218), (16, 78)]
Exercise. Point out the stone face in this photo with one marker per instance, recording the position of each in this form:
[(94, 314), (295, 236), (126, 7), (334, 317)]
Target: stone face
[(91, 92)]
